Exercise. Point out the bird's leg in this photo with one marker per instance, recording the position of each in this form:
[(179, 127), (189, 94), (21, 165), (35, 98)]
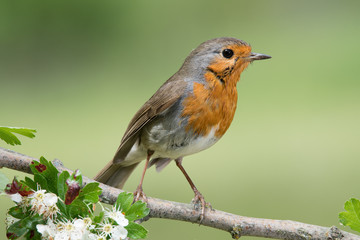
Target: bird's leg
[(199, 198), (139, 191)]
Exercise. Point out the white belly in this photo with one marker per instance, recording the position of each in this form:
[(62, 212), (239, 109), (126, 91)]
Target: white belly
[(173, 147), (194, 145)]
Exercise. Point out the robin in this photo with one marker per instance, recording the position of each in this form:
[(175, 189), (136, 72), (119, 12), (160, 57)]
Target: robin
[(189, 113)]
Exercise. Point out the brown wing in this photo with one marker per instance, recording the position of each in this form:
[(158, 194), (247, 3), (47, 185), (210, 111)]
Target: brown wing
[(164, 98)]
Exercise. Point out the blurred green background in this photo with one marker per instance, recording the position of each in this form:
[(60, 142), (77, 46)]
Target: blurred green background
[(77, 71)]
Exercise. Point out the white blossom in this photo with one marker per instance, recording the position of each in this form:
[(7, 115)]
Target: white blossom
[(87, 222), (50, 199), (69, 230), (16, 197), (96, 237), (119, 232), (114, 231), (48, 230), (118, 216), (37, 201), (44, 203)]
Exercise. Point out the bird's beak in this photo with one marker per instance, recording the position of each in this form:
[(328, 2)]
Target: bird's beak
[(258, 56)]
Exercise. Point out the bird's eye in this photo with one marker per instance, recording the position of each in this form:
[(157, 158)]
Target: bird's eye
[(227, 53)]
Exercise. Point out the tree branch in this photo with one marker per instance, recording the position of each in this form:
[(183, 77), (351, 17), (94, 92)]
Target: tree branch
[(236, 225)]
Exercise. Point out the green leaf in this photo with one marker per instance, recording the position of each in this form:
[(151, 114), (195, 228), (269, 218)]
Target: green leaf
[(90, 192), (17, 212), (351, 217), (30, 183), (16, 230), (77, 176), (137, 210), (3, 181), (33, 235), (22, 226), (51, 169), (6, 134), (63, 209), (136, 231), (47, 170), (78, 208), (62, 187), (41, 180), (124, 201), (27, 132)]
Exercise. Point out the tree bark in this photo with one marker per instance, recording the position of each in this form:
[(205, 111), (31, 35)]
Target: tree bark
[(236, 225)]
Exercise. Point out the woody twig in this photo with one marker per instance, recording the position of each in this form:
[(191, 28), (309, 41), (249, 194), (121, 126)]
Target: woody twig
[(236, 225)]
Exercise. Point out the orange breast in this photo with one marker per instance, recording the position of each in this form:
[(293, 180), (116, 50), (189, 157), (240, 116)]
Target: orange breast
[(213, 104), (210, 106)]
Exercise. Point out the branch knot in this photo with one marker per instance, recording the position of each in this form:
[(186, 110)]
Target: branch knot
[(236, 232)]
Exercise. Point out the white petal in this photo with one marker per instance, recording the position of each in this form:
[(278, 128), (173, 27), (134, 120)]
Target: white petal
[(76, 235), (122, 221), (16, 197), (62, 236), (92, 236), (50, 199), (118, 216), (43, 229), (79, 224), (119, 232)]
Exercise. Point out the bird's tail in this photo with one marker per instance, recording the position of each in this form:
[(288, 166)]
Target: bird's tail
[(115, 175)]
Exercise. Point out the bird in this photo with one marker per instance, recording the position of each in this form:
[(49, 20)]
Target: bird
[(189, 113)]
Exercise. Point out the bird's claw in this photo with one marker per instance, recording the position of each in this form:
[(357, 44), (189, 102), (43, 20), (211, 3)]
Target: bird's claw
[(197, 200), (139, 195)]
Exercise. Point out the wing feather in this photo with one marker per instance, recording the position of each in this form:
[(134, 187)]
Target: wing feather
[(163, 99)]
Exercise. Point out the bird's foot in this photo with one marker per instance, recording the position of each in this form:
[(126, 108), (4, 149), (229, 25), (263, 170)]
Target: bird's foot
[(199, 203), (139, 194)]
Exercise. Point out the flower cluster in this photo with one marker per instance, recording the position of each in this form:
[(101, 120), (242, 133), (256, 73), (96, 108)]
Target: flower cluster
[(44, 204), (60, 207), (85, 229)]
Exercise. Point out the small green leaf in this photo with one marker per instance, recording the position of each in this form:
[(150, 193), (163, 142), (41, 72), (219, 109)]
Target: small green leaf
[(63, 209), (51, 169), (16, 230), (351, 217), (136, 231), (33, 235), (41, 180), (27, 132), (62, 187), (22, 226), (124, 201), (78, 208), (30, 183), (6, 134), (137, 210), (51, 174), (9, 138), (47, 170), (17, 212), (90, 192)]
